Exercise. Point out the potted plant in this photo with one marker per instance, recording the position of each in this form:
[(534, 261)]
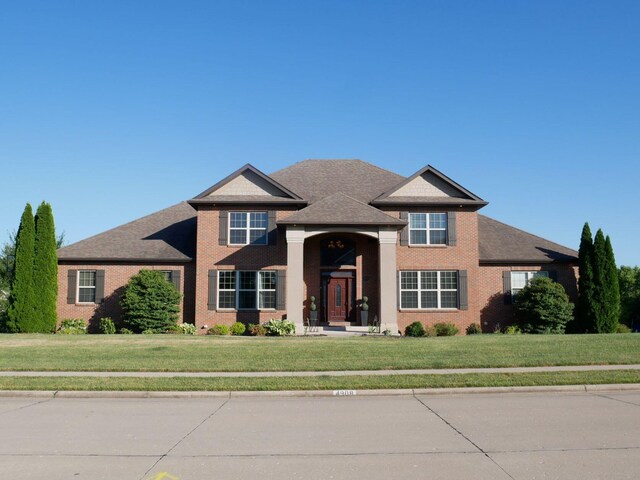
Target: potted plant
[(313, 309), (364, 311)]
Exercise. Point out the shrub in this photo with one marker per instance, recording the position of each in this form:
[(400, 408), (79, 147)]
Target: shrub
[(73, 326), (443, 329), (219, 330), (543, 307), (257, 330), (148, 331), (125, 331), (107, 326), (512, 330), (150, 302), (279, 328), (622, 328), (415, 329), (474, 329), (187, 328), (238, 328)]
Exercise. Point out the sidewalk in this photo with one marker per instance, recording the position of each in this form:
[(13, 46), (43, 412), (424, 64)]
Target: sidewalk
[(338, 373)]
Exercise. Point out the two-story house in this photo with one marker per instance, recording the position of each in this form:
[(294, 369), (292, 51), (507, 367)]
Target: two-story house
[(256, 246)]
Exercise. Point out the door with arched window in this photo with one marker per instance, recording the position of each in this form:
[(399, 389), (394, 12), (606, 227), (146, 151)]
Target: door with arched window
[(338, 299)]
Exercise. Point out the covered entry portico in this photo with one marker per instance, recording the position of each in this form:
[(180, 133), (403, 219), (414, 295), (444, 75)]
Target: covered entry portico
[(341, 282)]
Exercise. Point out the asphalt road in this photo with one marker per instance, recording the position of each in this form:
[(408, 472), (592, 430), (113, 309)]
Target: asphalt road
[(481, 436)]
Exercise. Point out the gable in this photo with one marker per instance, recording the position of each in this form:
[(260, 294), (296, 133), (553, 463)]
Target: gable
[(427, 185), (249, 183)]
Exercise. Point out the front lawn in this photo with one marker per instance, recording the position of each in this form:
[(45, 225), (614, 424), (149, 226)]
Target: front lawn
[(186, 353), (354, 382)]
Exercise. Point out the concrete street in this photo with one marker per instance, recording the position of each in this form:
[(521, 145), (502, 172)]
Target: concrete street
[(471, 436)]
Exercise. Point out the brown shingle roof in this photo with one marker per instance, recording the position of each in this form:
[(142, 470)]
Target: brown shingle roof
[(316, 179), (340, 209), (167, 235), (501, 243)]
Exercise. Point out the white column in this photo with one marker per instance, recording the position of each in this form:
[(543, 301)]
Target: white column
[(295, 276), (388, 287)]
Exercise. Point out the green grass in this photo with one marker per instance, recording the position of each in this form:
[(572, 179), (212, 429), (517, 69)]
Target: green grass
[(206, 353), (320, 383)]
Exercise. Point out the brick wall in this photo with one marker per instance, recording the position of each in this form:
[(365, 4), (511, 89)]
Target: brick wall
[(494, 312), (115, 278)]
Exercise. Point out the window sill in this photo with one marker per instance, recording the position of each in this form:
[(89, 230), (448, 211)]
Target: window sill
[(247, 245), (239, 310), (429, 310), (85, 304), (428, 246)]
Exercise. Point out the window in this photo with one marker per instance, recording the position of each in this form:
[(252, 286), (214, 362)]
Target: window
[(427, 228), (247, 290), (248, 228), (168, 275), (519, 280), (86, 286), (429, 289)]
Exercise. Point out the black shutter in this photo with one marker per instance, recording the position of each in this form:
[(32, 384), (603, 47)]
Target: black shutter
[(553, 275), (72, 282), (175, 278), (404, 233), (272, 231), (99, 286), (398, 289), (451, 229), (506, 287), (222, 235), (213, 286), (463, 290), (281, 290)]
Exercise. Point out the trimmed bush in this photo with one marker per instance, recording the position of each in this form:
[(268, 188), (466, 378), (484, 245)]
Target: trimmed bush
[(107, 326), (622, 328), (543, 307), (187, 328), (238, 328), (73, 326), (512, 330), (279, 328), (443, 329), (257, 330), (125, 331), (150, 302), (415, 329), (474, 329), (219, 330)]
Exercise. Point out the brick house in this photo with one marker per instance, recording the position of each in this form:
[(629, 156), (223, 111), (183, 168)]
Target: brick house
[(255, 246)]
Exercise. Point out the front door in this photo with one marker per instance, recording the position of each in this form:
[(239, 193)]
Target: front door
[(338, 299)]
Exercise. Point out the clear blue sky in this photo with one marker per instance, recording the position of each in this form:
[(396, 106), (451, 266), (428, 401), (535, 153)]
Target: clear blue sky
[(112, 110)]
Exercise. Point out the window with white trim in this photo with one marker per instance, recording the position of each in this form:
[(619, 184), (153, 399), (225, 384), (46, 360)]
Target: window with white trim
[(248, 228), (429, 290), (519, 280), (86, 286), (247, 290), (427, 229)]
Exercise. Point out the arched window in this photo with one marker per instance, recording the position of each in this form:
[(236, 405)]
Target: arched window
[(337, 251)]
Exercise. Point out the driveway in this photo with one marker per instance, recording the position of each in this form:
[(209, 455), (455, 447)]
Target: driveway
[(472, 436)]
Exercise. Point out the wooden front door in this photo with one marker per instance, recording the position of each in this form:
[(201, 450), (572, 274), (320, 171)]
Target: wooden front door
[(338, 299)]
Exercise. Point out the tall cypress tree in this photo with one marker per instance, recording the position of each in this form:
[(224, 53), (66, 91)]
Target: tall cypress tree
[(585, 312), (612, 306), (600, 282), (21, 301), (45, 270)]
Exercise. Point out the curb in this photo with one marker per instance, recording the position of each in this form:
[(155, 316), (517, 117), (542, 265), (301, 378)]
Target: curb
[(618, 387)]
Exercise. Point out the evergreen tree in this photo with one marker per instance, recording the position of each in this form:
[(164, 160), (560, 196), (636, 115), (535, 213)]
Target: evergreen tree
[(599, 263), (45, 271), (585, 314), (612, 290), (20, 314)]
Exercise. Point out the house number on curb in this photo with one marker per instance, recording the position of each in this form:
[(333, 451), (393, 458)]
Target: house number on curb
[(343, 393)]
